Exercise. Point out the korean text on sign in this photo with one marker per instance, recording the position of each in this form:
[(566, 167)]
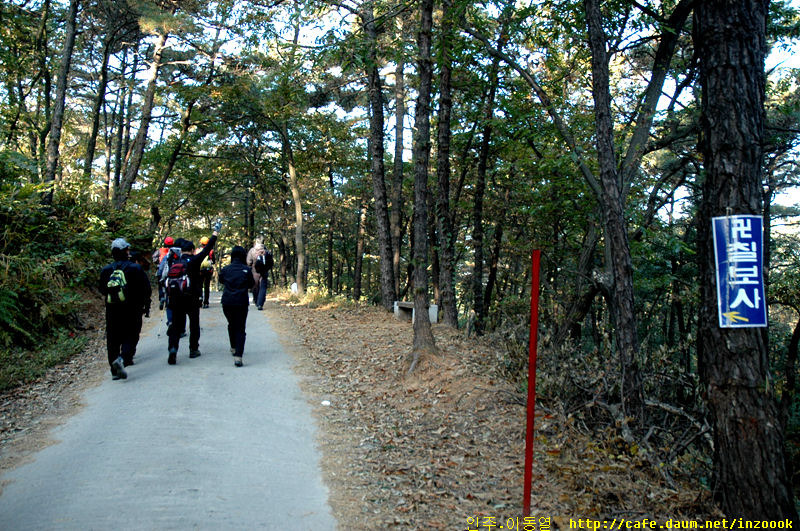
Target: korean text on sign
[(739, 253)]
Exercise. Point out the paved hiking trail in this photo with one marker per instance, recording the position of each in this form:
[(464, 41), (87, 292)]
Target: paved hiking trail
[(198, 445)]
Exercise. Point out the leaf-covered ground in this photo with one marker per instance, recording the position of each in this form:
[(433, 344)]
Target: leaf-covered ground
[(445, 447), (437, 450)]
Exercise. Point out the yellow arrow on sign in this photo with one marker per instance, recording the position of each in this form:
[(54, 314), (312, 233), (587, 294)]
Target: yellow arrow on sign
[(734, 316)]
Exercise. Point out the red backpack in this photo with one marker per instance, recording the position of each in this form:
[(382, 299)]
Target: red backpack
[(178, 281)]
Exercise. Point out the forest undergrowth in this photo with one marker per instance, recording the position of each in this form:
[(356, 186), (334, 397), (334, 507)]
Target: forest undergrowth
[(446, 444), (49, 262)]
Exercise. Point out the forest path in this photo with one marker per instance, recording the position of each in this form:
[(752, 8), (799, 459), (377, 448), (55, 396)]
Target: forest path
[(198, 445)]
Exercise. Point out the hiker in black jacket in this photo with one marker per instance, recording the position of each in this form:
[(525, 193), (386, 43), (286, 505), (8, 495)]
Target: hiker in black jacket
[(187, 304), (126, 290), (237, 279)]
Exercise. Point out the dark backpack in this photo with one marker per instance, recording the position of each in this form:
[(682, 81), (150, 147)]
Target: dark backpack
[(264, 263), (117, 287), (177, 283)]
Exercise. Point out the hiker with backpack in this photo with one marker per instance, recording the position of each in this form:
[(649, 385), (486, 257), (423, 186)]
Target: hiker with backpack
[(172, 256), (126, 290), (158, 257), (237, 280), (206, 271), (184, 295)]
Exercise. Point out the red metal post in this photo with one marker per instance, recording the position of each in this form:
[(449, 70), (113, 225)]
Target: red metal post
[(532, 351)]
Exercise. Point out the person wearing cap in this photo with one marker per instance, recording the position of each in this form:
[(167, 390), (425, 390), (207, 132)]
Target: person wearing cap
[(158, 257), (126, 301), (237, 280), (206, 270), (172, 256), (189, 306)]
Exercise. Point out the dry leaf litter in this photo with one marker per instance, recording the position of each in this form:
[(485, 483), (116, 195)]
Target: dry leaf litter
[(435, 450)]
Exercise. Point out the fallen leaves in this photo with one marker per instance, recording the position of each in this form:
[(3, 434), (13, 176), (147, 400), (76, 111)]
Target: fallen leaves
[(430, 450)]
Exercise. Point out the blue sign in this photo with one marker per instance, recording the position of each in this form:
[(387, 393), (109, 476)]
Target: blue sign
[(739, 252)]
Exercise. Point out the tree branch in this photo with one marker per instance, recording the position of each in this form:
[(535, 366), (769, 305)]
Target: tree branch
[(548, 105)]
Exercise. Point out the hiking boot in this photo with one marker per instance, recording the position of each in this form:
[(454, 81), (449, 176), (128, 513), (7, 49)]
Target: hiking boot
[(173, 353), (194, 353), (237, 360), (128, 363), (205, 305), (118, 370)]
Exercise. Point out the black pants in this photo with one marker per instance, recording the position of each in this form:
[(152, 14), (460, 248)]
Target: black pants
[(206, 276), (237, 319), (180, 311), (123, 325)]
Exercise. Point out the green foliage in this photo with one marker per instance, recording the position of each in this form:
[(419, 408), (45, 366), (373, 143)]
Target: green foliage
[(49, 260)]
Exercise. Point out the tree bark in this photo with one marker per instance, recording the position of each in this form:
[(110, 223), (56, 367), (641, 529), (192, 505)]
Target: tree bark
[(494, 260), (60, 101), (133, 158), (124, 133), (360, 246), (480, 189), (750, 478), (98, 104), (331, 223), (424, 343), (388, 293), (444, 217), (294, 186), (616, 231), (39, 144), (396, 219)]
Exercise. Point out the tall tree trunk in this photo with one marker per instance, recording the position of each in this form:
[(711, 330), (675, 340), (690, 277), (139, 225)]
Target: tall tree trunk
[(125, 124), (331, 224), (60, 101), (433, 248), (108, 131), (119, 130), (616, 232), (360, 246), (424, 343), (396, 219), (480, 189), (294, 185), (388, 294), (98, 104), (283, 259), (494, 260), (580, 302), (444, 217), (749, 465), (39, 147), (133, 158)]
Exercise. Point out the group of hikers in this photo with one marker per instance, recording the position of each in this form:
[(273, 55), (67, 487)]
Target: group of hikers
[(183, 277)]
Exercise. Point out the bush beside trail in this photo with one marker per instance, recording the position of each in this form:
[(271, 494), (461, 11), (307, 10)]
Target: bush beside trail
[(49, 261)]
